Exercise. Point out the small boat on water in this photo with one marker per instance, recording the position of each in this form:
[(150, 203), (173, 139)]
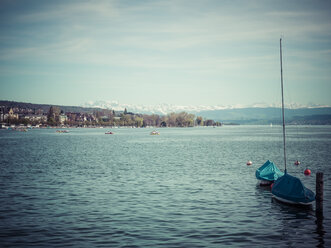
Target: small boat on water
[(268, 173), (155, 133), (289, 189), (62, 131), (297, 162), (109, 132)]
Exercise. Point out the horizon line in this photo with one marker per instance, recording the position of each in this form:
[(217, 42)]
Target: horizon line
[(93, 104)]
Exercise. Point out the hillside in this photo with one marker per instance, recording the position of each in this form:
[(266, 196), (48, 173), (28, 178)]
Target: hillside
[(315, 116), (306, 116), (45, 107)]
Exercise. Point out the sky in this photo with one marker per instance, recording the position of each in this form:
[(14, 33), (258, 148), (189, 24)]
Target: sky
[(222, 52)]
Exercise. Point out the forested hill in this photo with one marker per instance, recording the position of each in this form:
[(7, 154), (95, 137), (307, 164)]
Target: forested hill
[(45, 107)]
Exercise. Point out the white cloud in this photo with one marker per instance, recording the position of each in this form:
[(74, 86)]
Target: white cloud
[(173, 41), (83, 11)]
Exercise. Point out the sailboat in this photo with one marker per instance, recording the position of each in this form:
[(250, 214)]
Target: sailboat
[(289, 189), (268, 173)]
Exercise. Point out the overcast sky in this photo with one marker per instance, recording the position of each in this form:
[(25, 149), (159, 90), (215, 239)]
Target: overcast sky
[(178, 52)]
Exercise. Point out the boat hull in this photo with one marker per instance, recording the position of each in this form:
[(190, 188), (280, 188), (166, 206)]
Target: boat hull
[(286, 201), (265, 183)]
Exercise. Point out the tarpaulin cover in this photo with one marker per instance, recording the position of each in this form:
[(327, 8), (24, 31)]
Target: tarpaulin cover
[(269, 172), (290, 188)]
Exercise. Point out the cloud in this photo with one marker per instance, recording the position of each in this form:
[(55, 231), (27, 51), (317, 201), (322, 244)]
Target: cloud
[(112, 26), (204, 42), (67, 11)]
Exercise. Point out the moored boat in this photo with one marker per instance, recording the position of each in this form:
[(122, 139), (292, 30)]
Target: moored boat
[(268, 173), (289, 189)]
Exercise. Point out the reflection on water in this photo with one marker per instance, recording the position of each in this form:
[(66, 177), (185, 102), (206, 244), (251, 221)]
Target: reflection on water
[(320, 228), (294, 211)]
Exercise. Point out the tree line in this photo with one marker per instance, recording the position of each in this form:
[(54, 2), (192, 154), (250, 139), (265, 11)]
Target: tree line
[(182, 119), (105, 117)]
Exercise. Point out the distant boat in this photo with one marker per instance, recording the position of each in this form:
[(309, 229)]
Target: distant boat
[(109, 132), (62, 131), (289, 189), (249, 162), (268, 173), (155, 133)]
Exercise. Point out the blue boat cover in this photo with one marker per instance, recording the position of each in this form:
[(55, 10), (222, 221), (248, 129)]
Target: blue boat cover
[(269, 172), (290, 188)]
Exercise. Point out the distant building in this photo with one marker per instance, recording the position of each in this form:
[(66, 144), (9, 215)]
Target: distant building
[(6, 114), (63, 118), (2, 113), (12, 114), (40, 118), (105, 118)]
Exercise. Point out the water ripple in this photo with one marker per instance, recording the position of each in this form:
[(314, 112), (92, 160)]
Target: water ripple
[(184, 188)]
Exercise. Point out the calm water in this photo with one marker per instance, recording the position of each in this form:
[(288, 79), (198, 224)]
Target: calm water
[(184, 188)]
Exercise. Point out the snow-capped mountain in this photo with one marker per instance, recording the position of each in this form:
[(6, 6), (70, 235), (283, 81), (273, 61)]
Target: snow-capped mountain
[(168, 108), (149, 109), (258, 113)]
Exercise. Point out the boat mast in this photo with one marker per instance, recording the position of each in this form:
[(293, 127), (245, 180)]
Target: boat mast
[(281, 79)]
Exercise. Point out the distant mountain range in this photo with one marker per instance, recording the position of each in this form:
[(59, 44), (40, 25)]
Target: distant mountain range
[(163, 109), (258, 114), (309, 116), (160, 109)]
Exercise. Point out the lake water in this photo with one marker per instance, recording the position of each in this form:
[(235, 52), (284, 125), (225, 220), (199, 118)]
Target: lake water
[(187, 187)]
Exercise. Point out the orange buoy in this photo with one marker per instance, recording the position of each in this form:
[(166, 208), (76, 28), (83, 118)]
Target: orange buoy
[(249, 162), (297, 162), (307, 172)]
